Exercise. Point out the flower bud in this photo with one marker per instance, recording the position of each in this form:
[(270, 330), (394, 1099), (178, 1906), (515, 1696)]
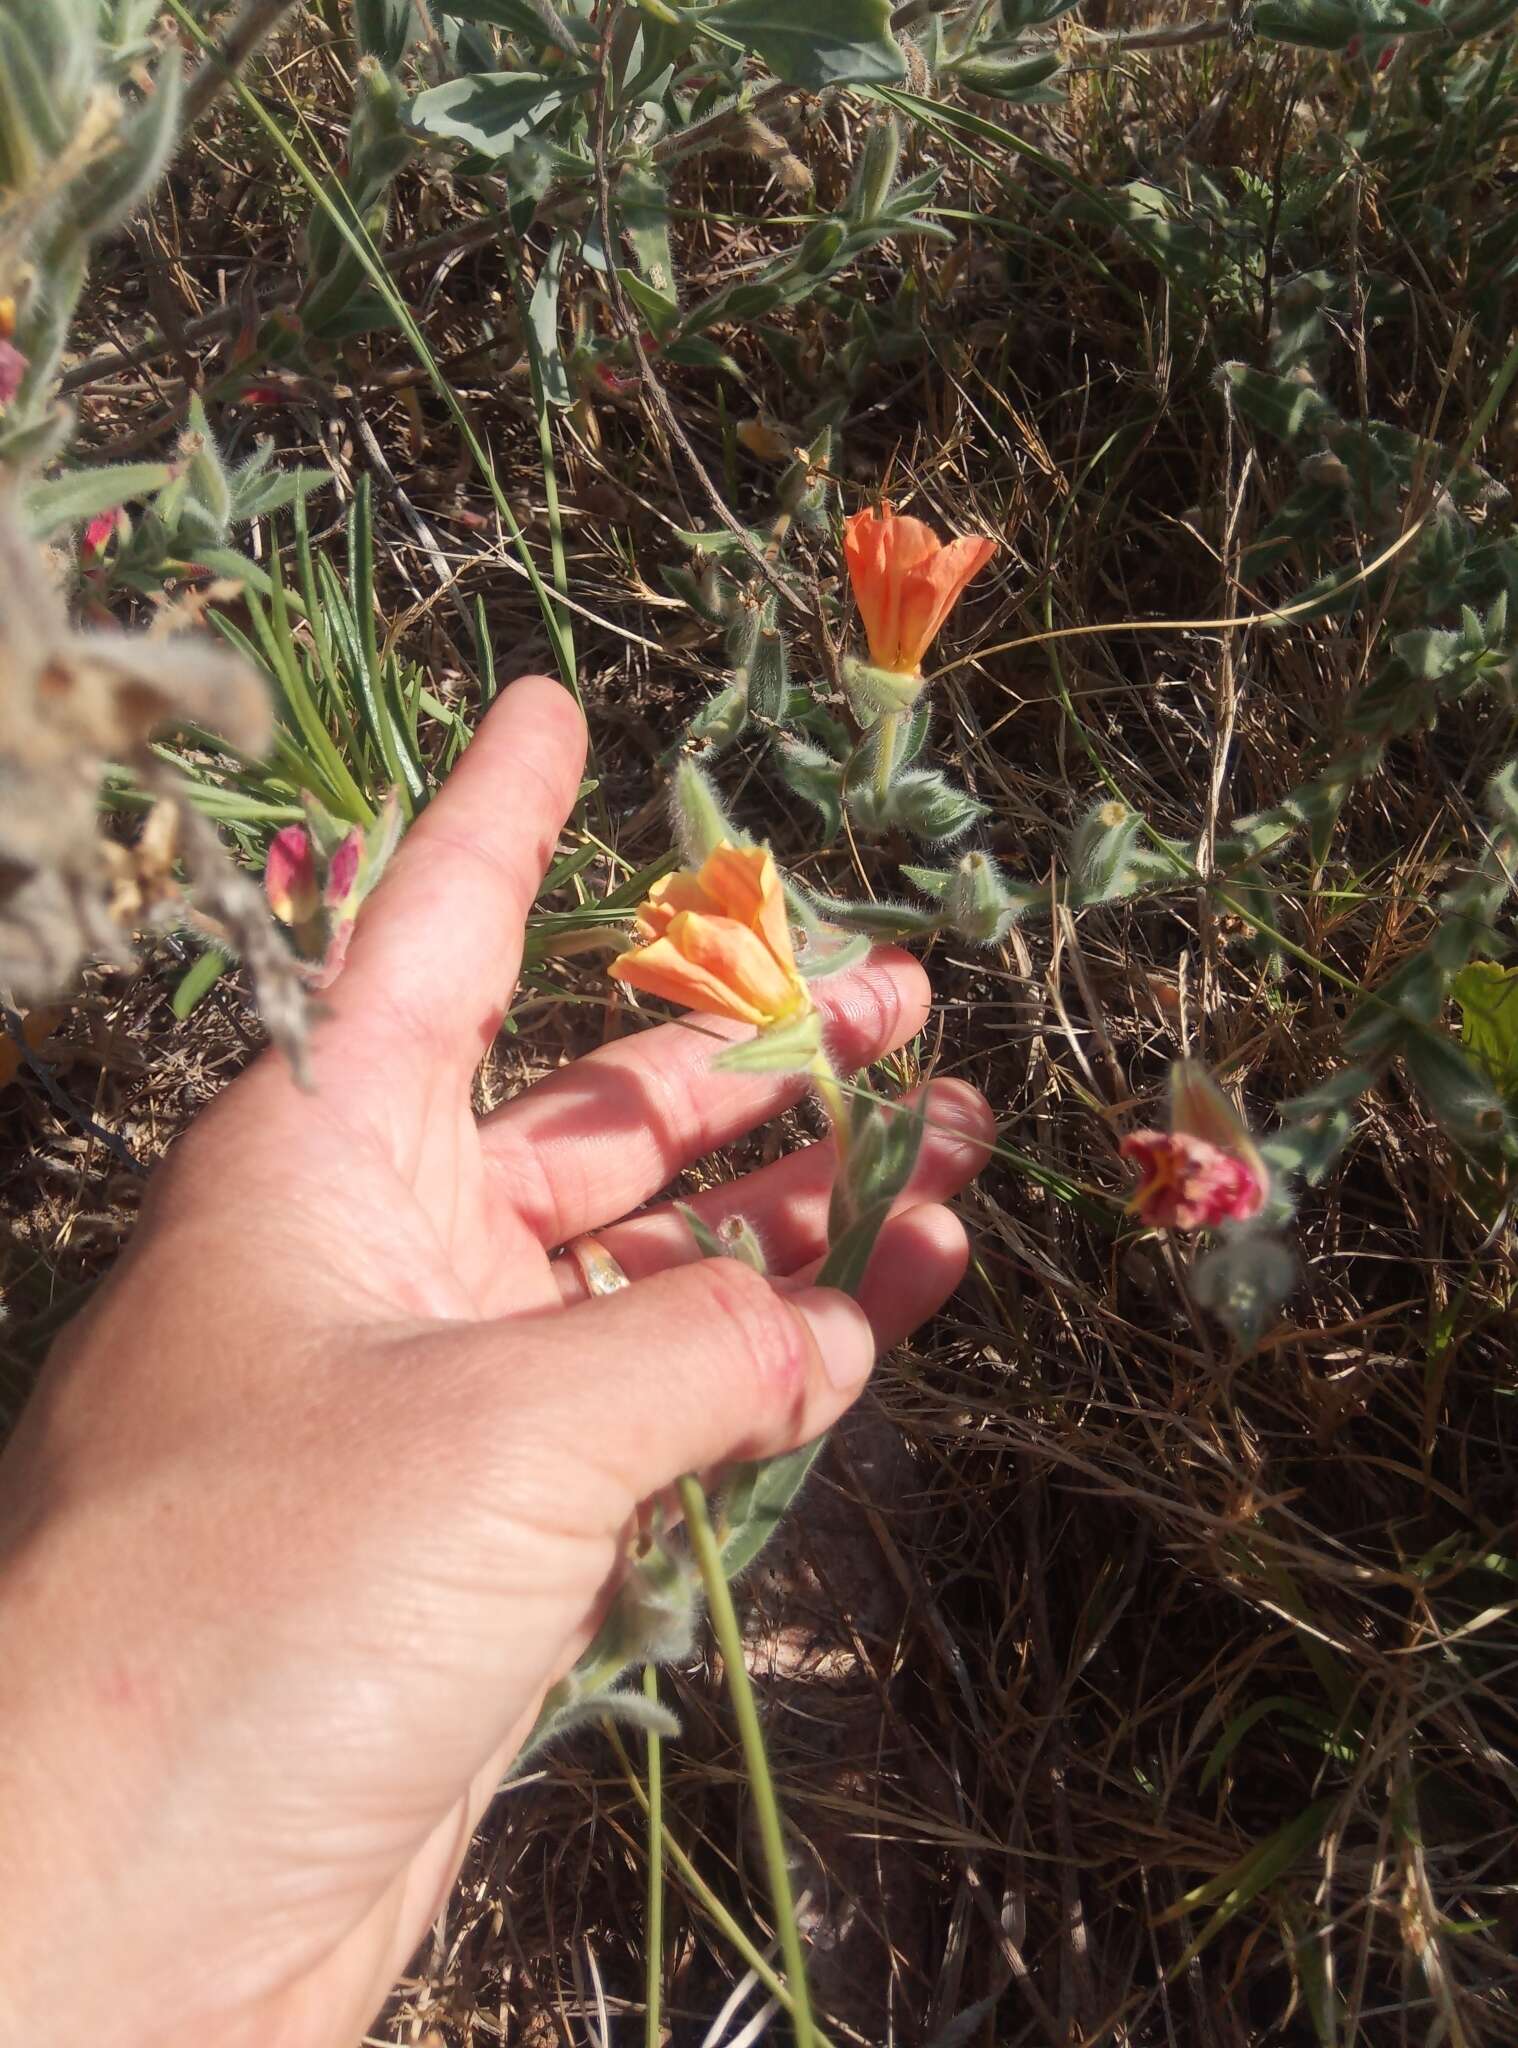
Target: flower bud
[(765, 441), (1244, 1280), (701, 824), (102, 530), (979, 904), (13, 369), (290, 877), (340, 890)]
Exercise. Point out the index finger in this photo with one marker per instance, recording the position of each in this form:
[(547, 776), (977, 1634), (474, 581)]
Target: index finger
[(437, 949)]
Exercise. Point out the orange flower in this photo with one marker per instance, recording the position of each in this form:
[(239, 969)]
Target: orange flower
[(906, 582), (718, 941)]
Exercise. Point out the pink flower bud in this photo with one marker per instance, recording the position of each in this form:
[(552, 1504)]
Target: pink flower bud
[(13, 367), (100, 532), (1188, 1183), (290, 876), (342, 871)]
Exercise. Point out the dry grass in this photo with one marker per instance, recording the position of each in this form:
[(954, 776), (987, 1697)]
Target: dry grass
[(1122, 1688)]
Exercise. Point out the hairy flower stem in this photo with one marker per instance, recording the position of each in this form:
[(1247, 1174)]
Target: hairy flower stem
[(703, 1541), (885, 759), (830, 1089)]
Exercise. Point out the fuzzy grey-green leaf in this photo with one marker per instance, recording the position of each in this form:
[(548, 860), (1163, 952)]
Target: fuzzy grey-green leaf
[(845, 42)]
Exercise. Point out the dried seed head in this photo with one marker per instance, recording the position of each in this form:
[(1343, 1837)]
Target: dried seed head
[(69, 703), (758, 139)]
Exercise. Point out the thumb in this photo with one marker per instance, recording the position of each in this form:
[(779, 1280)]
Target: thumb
[(695, 1367)]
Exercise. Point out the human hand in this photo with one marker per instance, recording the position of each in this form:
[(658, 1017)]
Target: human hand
[(333, 1478)]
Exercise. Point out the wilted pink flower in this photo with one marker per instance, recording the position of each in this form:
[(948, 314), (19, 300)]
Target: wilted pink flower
[(1188, 1183), (13, 367), (290, 876), (618, 383)]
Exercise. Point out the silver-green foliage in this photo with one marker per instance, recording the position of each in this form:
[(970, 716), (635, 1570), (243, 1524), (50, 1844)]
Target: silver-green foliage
[(79, 150)]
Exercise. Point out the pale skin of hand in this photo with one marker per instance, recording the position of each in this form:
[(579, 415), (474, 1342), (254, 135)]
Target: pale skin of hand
[(334, 1477)]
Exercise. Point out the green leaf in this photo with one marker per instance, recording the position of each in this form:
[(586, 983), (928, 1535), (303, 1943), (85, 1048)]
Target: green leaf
[(643, 201), (144, 145), (81, 493), (698, 352), (517, 16), (756, 1499), (661, 313), (1459, 1092), (255, 496), (817, 777), (767, 672), (1263, 1864), (1488, 999), (1016, 15), (928, 806), (383, 29), (493, 110), (1009, 77), (846, 42), (783, 1049), (1282, 406), (722, 718), (543, 327), (198, 980)]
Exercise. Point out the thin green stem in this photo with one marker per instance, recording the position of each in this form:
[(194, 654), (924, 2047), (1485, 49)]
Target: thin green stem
[(703, 1541), (654, 1958), (753, 1956)]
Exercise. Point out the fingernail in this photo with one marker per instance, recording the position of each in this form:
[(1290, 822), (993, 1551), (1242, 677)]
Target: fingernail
[(842, 1334)]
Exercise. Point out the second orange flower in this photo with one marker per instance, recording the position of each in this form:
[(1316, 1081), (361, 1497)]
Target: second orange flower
[(906, 582)]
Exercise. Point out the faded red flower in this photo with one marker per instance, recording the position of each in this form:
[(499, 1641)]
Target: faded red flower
[(1188, 1183)]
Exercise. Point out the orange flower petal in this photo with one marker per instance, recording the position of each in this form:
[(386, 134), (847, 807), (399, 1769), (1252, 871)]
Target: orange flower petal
[(746, 884), (906, 582), (661, 969), (864, 555), (946, 576), (719, 941), (741, 960), (668, 896)]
